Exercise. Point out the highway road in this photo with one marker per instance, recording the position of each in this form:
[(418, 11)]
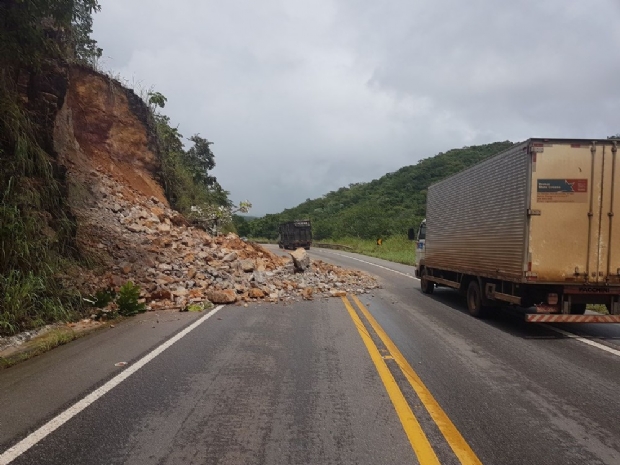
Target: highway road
[(389, 377)]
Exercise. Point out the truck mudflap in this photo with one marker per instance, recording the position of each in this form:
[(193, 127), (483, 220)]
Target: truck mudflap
[(572, 318)]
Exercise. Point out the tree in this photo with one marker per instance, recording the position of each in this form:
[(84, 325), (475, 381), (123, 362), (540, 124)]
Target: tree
[(156, 100), (200, 159), (214, 217), (85, 48), (32, 31)]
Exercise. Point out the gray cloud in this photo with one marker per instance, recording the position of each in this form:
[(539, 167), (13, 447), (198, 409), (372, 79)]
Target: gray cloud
[(301, 98)]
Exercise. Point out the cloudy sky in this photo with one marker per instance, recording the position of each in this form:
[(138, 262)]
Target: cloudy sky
[(303, 97)]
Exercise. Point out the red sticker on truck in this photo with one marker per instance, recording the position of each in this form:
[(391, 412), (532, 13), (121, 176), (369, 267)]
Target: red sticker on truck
[(562, 190)]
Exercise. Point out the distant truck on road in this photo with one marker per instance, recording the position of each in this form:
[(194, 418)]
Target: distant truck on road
[(295, 234), (533, 226)]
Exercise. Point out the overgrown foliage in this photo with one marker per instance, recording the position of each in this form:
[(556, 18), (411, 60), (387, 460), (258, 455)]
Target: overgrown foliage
[(186, 183), (32, 31), (385, 207), (216, 219), (187, 177), (36, 230), (85, 48)]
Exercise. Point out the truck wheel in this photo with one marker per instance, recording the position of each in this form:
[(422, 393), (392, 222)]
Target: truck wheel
[(578, 309), (474, 301), (427, 286)]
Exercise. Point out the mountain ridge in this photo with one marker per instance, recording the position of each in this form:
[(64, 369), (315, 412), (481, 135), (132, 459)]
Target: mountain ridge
[(383, 207)]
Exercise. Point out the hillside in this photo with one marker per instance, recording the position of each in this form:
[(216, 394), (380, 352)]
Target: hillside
[(102, 209), (383, 207)]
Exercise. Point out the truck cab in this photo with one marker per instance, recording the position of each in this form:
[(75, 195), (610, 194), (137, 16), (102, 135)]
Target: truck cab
[(420, 239)]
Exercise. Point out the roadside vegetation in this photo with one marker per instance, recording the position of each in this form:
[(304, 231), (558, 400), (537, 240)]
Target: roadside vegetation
[(396, 249), (36, 226), (187, 176)]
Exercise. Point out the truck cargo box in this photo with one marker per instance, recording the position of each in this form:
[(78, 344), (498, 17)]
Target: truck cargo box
[(541, 211), (294, 234)]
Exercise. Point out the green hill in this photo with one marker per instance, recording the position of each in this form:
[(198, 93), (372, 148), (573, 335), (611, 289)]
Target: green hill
[(381, 208)]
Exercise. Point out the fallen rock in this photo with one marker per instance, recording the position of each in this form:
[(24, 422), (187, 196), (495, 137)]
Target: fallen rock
[(161, 294), (247, 265), (226, 296), (301, 260), (306, 293), (179, 220), (337, 293), (259, 277), (256, 293), (181, 292)]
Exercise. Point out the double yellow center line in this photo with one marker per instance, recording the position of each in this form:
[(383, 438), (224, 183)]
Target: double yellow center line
[(417, 438)]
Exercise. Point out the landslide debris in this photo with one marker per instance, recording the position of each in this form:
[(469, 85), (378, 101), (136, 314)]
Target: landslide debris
[(140, 239), (125, 226)]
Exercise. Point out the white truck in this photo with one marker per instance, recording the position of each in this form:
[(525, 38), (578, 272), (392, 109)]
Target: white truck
[(533, 226)]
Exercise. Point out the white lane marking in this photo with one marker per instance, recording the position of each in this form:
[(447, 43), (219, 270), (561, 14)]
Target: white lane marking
[(22, 446), (374, 264), (598, 345)]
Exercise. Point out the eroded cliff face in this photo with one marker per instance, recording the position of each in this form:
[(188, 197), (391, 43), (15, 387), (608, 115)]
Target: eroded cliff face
[(105, 128)]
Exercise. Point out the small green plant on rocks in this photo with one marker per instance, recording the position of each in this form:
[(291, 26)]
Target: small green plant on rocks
[(111, 304), (128, 300), (102, 298), (199, 307)]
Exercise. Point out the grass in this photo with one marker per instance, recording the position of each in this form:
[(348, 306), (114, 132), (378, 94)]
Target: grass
[(42, 344), (397, 249), (35, 232)]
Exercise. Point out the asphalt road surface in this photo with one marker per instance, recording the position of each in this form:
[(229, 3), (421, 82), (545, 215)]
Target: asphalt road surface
[(394, 376)]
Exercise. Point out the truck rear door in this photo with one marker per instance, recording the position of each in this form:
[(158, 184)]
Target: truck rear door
[(573, 196)]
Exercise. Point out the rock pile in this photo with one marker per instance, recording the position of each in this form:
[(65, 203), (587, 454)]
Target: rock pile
[(142, 240)]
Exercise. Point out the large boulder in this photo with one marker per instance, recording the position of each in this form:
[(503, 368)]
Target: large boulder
[(301, 260), (259, 277), (226, 296), (256, 293), (247, 265)]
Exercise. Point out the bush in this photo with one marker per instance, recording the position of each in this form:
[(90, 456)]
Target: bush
[(128, 300)]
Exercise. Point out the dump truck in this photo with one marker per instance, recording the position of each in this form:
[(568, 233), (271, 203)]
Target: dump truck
[(295, 234), (532, 227)]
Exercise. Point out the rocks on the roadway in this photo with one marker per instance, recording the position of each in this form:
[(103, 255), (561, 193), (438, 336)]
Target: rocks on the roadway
[(301, 260), (226, 296), (140, 239)]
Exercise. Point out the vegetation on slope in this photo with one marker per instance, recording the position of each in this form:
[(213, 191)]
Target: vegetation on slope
[(385, 207), (36, 226), (186, 175), (39, 40)]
